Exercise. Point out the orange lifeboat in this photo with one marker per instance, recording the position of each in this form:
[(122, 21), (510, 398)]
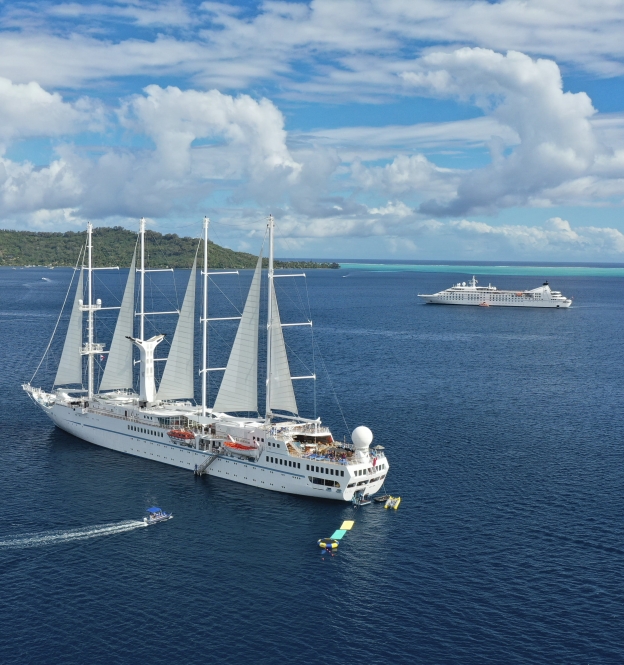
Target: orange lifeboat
[(241, 448), (181, 436)]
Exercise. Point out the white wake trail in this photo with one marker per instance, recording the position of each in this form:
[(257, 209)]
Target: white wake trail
[(69, 535)]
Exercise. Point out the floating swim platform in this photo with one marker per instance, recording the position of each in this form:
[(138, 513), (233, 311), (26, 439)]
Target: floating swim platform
[(337, 536), (393, 502)]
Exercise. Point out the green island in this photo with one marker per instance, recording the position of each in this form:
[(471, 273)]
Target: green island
[(114, 247)]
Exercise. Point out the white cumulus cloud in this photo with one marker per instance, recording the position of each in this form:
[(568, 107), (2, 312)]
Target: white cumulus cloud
[(557, 142)]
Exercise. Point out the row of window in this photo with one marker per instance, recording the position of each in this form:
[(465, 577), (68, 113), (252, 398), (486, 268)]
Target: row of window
[(275, 445), (324, 481), (296, 465), (363, 472), (365, 482), (134, 428), (322, 469)]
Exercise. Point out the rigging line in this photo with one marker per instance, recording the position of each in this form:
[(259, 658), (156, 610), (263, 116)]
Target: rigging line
[(243, 224), (287, 294), (312, 334), (100, 281), (331, 385), (162, 293), (308, 299), (157, 244), (213, 283), (296, 356), (80, 254), (283, 293)]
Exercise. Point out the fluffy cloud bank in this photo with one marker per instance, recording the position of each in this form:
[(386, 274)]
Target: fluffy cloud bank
[(399, 230), (27, 110), (244, 142), (346, 48), (557, 142), (187, 152)]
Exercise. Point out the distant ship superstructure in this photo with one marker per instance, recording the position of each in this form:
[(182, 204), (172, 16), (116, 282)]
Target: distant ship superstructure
[(282, 452), (486, 296)]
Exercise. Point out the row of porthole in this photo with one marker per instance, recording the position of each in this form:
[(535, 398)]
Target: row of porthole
[(134, 428), (322, 469), (282, 462), (365, 482), (363, 472)]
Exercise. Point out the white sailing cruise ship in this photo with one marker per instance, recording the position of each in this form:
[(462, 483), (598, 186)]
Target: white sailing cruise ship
[(281, 451), (487, 296)]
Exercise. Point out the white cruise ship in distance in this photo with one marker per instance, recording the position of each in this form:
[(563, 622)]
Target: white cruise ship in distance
[(489, 296), (280, 451)]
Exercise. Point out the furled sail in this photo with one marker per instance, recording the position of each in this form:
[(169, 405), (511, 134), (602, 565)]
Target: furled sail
[(282, 393), (177, 380), (70, 366), (118, 370), (239, 387)]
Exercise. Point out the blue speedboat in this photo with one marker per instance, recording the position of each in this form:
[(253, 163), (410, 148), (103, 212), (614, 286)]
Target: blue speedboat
[(155, 515)]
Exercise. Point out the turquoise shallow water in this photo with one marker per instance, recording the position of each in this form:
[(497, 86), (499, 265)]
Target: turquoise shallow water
[(538, 271)]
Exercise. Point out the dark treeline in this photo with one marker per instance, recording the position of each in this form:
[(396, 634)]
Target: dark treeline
[(114, 247)]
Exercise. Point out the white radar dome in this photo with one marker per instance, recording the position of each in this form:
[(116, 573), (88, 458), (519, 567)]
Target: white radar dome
[(362, 437)]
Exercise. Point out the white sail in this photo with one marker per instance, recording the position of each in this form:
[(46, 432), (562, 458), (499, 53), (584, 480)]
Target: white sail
[(282, 393), (118, 370), (177, 380), (70, 366), (239, 387)]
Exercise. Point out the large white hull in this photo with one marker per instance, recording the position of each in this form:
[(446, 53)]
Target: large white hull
[(281, 453), (112, 433), (490, 296), (486, 302)]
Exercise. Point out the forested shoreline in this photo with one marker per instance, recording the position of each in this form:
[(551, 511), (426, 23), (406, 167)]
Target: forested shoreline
[(114, 246)]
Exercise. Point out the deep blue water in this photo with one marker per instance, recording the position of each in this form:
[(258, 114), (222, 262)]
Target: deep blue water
[(504, 431)]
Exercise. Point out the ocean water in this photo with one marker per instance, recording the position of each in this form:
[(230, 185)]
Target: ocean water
[(503, 429)]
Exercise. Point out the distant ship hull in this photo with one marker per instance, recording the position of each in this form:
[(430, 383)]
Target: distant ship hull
[(490, 296)]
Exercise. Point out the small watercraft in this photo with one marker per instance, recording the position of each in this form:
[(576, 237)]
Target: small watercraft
[(393, 502), (155, 515), (382, 498)]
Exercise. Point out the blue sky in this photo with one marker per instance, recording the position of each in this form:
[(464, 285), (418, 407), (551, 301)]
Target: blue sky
[(437, 129)]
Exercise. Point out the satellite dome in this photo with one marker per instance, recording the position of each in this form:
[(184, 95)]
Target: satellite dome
[(362, 437)]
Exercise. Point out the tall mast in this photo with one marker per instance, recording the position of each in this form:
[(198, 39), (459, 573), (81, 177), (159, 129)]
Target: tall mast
[(90, 312), (142, 310), (269, 320), (205, 320)]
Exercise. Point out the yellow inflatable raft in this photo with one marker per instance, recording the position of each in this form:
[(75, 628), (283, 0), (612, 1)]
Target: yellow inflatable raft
[(393, 502)]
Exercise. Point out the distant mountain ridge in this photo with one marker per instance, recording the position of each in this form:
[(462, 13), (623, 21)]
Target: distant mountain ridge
[(114, 247)]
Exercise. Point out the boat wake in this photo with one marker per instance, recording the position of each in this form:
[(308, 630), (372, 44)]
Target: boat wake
[(69, 535)]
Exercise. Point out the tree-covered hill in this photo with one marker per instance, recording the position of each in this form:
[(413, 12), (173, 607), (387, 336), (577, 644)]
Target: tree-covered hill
[(114, 247)]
